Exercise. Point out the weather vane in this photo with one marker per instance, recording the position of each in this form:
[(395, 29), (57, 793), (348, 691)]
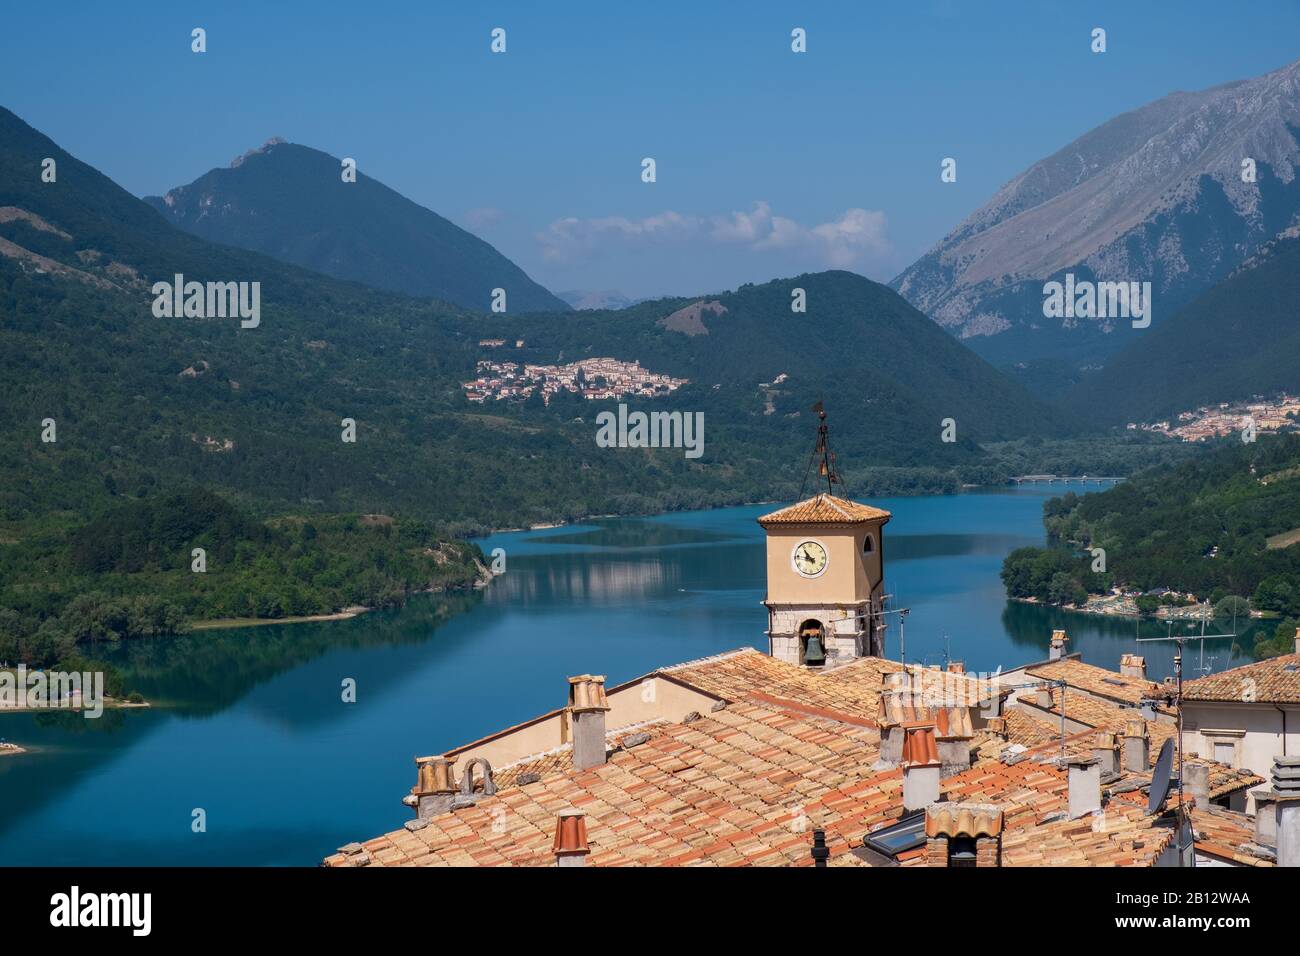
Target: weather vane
[(822, 451)]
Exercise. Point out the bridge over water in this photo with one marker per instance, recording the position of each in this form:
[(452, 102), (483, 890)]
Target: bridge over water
[(1052, 479)]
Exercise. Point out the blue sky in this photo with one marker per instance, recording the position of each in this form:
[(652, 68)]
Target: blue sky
[(769, 163)]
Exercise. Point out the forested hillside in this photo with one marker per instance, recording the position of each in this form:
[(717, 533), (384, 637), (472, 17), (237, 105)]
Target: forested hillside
[(1238, 340), (1227, 524)]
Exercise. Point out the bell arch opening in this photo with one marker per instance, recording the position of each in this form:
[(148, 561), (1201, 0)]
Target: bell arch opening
[(812, 643)]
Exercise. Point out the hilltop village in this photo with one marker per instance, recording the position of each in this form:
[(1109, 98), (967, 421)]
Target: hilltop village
[(821, 751), (1214, 421), (593, 378)]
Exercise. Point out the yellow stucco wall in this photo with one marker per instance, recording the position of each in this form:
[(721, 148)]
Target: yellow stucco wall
[(849, 577)]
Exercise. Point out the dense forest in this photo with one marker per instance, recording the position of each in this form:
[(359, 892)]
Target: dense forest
[(116, 423), (134, 572), (1225, 527)]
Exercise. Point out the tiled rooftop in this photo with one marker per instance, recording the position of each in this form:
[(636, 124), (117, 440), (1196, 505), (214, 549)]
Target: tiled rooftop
[(1097, 680), (853, 688), (1272, 681), (824, 509), (1102, 715), (1225, 835), (740, 786), (746, 786), (793, 749)]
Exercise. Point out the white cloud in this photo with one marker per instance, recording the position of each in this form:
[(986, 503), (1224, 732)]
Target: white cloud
[(857, 235), (483, 216)]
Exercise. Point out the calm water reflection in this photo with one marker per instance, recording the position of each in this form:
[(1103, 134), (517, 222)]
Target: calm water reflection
[(250, 725)]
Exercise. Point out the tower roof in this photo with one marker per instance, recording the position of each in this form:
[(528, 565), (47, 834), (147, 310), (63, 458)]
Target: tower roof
[(824, 509)]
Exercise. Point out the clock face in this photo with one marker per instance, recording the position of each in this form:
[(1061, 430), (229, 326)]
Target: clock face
[(809, 558)]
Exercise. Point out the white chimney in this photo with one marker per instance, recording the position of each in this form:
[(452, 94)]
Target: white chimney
[(1265, 819), (1058, 646), (1106, 750), (1133, 665), (921, 766), (1137, 747), (1197, 784), (1085, 786)]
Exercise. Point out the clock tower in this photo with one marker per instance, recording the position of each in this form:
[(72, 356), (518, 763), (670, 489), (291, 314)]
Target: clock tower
[(825, 574), (825, 581)]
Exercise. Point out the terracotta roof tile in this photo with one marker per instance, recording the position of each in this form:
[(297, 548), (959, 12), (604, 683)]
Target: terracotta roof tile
[(1224, 834), (824, 509), (1098, 680), (1272, 681)]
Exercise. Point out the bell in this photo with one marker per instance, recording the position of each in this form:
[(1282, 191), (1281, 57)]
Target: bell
[(813, 652)]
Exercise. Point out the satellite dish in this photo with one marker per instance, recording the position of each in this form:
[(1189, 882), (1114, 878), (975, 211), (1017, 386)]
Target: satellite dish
[(1161, 778)]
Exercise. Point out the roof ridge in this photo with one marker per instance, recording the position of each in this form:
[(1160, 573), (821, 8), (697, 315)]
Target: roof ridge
[(1241, 667), (724, 655)]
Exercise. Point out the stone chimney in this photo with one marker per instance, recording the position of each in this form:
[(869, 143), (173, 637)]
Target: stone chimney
[(1106, 751), (1265, 818), (435, 786), (1286, 809), (1137, 747), (587, 708), (956, 667), (570, 847), (1058, 645), (953, 734), (1297, 640), (1197, 782), (1043, 697), (921, 766), (963, 834), (1085, 786), (997, 726), (1133, 665)]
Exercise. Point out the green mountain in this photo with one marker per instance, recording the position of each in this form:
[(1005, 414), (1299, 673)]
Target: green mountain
[(1235, 341), (117, 415), (291, 202), (890, 376)]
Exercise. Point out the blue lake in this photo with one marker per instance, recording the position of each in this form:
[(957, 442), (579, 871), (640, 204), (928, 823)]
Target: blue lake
[(250, 727)]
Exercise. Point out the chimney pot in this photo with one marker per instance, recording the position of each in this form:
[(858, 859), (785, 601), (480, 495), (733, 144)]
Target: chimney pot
[(1106, 750), (1198, 782), (587, 708), (1133, 665), (1137, 747), (980, 822), (587, 692), (921, 766), (1044, 697), (953, 736), (1265, 819), (1084, 786), (1058, 645), (820, 852), (997, 726), (956, 667), (570, 847), (435, 786)]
